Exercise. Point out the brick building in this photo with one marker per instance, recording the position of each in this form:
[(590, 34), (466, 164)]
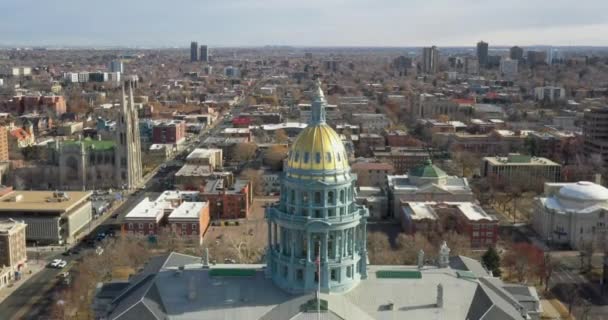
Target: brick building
[(36, 103), (372, 174), (397, 138), (465, 218), (228, 201), (169, 132), (173, 211), (368, 142), (402, 158), (12, 244), (190, 219)]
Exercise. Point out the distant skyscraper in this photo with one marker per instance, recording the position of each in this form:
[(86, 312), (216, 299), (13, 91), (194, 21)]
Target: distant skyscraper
[(116, 66), (516, 53), (430, 60), (482, 54), (204, 56), (537, 57), (194, 51)]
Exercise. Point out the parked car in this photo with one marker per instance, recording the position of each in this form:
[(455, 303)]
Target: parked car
[(58, 264)]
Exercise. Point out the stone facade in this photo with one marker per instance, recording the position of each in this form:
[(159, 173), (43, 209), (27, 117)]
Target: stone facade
[(317, 232)]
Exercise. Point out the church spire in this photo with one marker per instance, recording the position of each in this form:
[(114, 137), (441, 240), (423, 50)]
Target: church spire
[(318, 105)]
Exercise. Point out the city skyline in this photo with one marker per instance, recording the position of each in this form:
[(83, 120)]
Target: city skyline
[(357, 23)]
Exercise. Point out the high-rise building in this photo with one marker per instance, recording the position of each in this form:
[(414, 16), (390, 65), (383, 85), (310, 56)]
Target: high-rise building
[(430, 60), (116, 66), (537, 57), (508, 67), (482, 54), (193, 51), (516, 53), (595, 133), (317, 226), (204, 56), (128, 144)]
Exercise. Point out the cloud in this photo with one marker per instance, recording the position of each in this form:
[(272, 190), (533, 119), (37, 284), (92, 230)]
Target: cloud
[(311, 22)]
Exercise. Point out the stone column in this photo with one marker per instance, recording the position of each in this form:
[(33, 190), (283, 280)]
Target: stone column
[(269, 237), (324, 246), (276, 236), (308, 247), (292, 239)]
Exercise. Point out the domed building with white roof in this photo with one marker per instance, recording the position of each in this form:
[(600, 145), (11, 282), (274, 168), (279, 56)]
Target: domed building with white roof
[(571, 213)]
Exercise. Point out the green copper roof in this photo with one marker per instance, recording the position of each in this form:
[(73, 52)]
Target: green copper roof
[(398, 274), (428, 170), (466, 275), (95, 144)]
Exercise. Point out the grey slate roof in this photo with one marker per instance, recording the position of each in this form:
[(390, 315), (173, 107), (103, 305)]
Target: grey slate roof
[(165, 291)]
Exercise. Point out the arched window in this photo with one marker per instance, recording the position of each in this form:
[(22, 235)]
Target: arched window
[(328, 157), (306, 156), (342, 196), (318, 157), (297, 156), (330, 197), (305, 197), (317, 197)]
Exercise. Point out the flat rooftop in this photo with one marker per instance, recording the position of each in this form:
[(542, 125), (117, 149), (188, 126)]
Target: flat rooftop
[(201, 153), (42, 201), (520, 160), (188, 210)]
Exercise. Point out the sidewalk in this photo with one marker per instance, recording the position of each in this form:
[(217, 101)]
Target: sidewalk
[(34, 267)]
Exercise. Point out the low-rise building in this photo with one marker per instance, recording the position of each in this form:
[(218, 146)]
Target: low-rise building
[(372, 174), (427, 183), (211, 157), (169, 132), (51, 217), (402, 158), (368, 142), (572, 214), (466, 218), (227, 201), (13, 252), (190, 219), (522, 168), (370, 122), (151, 217), (397, 138), (549, 93)]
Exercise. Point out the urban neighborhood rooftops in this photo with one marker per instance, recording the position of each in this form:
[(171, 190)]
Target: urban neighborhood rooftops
[(42, 201)]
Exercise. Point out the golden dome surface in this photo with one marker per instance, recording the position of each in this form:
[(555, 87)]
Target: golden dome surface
[(317, 149)]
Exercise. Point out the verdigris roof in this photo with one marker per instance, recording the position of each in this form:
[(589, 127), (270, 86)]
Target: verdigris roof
[(428, 170)]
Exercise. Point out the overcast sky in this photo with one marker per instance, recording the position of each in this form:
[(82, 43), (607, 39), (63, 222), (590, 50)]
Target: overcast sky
[(303, 22)]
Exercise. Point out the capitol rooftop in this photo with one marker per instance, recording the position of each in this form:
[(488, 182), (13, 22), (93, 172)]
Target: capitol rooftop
[(317, 262)]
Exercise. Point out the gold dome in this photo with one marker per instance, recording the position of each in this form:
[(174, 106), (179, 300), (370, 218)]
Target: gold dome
[(319, 148)]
